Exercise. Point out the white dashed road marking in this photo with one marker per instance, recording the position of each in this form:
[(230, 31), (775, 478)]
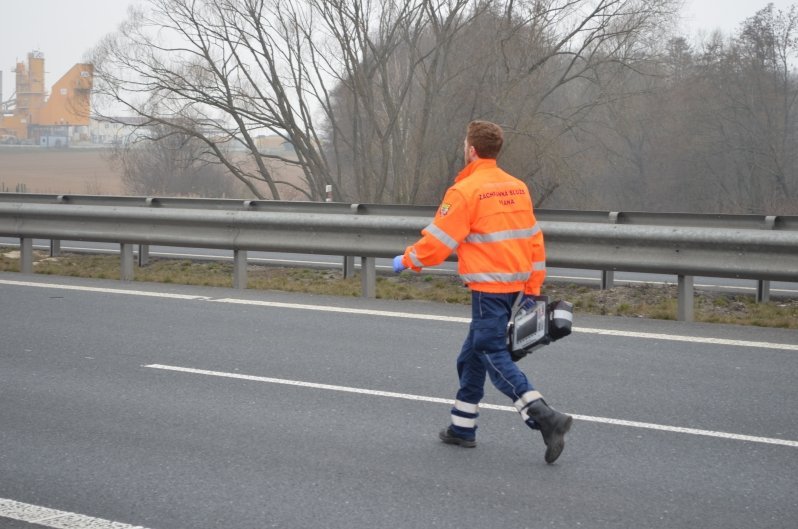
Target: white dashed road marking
[(25, 512)]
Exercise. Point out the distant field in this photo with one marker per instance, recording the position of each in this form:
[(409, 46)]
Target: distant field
[(86, 171), (77, 171)]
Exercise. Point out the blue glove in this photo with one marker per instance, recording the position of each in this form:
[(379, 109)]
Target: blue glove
[(397, 264)]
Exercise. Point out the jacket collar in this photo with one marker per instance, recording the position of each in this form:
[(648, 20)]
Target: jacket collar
[(476, 165)]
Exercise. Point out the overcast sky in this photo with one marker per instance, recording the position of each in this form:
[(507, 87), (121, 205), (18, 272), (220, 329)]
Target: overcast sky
[(66, 30)]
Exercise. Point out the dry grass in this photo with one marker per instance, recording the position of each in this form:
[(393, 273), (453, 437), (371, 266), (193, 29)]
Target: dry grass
[(645, 301), (660, 302)]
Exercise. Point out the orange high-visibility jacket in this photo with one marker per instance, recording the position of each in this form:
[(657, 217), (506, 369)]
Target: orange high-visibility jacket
[(487, 217)]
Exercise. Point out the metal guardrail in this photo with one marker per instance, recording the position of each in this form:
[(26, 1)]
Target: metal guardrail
[(687, 251), (706, 220)]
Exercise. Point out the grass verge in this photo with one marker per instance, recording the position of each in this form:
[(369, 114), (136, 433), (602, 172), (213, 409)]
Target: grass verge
[(643, 301)]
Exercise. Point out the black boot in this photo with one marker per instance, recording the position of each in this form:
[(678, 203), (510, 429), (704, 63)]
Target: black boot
[(449, 437), (553, 425)]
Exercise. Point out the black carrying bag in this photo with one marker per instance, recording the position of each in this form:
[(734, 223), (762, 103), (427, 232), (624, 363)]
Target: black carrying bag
[(561, 318), (544, 323)]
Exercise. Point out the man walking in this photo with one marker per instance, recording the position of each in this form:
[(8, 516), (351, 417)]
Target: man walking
[(487, 217)]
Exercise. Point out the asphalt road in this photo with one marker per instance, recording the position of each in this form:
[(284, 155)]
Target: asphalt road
[(173, 407)]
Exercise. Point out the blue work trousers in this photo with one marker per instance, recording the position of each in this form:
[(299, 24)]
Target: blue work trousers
[(485, 353)]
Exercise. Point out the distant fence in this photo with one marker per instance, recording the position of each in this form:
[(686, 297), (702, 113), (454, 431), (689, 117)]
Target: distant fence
[(755, 247)]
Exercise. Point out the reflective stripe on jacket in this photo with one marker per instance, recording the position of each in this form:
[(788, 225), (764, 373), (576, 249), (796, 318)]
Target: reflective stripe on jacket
[(487, 217)]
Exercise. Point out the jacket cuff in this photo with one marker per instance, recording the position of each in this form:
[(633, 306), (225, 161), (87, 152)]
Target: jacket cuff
[(408, 263)]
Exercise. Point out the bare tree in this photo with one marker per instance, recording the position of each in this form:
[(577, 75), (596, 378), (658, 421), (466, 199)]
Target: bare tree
[(392, 116), (374, 95), (220, 65), (536, 73), (706, 130), (748, 111), (167, 162)]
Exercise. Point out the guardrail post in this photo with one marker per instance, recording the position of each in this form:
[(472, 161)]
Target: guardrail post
[(762, 291), (608, 276), (368, 277), (55, 248), (349, 266), (144, 254), (762, 286), (686, 291), (240, 269), (349, 260), (26, 255), (126, 257)]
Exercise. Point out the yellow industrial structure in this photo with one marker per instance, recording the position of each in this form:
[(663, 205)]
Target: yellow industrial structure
[(32, 117)]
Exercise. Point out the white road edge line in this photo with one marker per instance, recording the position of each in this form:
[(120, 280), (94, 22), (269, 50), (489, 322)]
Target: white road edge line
[(44, 516), (391, 314), (693, 339), (436, 400)]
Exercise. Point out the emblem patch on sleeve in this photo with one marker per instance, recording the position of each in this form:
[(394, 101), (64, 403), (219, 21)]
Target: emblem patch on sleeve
[(444, 209)]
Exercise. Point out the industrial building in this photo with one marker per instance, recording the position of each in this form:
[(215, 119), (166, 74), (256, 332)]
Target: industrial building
[(33, 117)]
